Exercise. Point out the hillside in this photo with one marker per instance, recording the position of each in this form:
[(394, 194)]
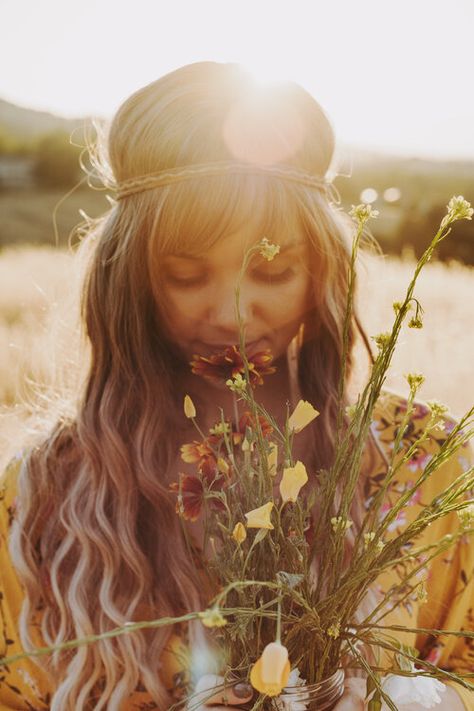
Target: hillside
[(27, 124)]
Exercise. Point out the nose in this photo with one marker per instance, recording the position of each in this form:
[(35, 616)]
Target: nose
[(223, 314)]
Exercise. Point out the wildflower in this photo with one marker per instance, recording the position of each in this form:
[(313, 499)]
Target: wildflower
[(190, 496), (293, 479), (458, 209), (338, 523), (196, 451), (415, 380), (437, 409), (270, 673), (415, 322), (397, 305), (246, 445), (334, 630), (351, 410), (382, 339), (189, 409), (220, 429), (238, 384), (302, 415), (200, 452), (260, 518), (239, 534), (363, 212), (405, 690), (212, 618), (268, 250), (466, 516), (421, 594), (368, 538), (272, 459), (191, 493), (379, 546), (225, 365), (248, 421)]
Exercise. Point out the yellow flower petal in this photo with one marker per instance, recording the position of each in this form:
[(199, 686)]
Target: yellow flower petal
[(222, 466), (189, 409), (239, 534), (303, 414), (293, 479), (270, 673), (260, 518)]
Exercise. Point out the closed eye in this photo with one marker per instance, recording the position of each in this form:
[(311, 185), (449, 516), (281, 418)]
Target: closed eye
[(275, 277), (264, 277)]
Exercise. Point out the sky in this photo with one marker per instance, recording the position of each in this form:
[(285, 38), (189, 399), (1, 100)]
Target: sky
[(393, 75)]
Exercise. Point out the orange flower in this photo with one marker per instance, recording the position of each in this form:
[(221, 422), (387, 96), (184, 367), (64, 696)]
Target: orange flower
[(225, 365), (248, 420), (195, 451)]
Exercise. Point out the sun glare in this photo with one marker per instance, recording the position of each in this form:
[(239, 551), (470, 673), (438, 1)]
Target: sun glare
[(266, 74)]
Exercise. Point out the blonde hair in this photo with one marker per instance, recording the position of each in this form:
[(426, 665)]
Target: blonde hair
[(96, 519)]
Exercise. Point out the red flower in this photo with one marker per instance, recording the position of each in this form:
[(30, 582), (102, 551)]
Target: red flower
[(192, 493), (192, 496), (248, 420), (226, 364)]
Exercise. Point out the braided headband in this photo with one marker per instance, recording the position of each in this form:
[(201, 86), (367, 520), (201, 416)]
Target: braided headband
[(176, 175)]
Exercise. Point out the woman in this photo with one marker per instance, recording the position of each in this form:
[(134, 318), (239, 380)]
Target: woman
[(204, 164)]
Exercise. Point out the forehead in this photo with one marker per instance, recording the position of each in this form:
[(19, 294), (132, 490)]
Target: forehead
[(232, 248), (201, 218)]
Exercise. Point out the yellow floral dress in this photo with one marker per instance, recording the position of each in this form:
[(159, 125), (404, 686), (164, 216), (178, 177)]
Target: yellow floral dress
[(449, 577)]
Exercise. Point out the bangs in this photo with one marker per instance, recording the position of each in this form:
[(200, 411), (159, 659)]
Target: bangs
[(197, 213)]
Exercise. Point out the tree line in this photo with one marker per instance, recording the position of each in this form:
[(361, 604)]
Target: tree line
[(424, 188)]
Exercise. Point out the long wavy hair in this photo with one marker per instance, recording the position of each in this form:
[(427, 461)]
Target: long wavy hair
[(97, 541)]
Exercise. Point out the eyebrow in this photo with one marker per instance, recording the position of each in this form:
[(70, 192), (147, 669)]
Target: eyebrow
[(197, 257)]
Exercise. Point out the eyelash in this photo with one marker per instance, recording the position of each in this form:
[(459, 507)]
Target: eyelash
[(280, 278)]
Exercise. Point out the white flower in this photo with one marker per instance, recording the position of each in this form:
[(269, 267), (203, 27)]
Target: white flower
[(284, 702), (268, 250), (406, 690), (362, 213)]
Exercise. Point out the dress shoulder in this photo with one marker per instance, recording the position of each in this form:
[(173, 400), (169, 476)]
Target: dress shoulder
[(22, 684)]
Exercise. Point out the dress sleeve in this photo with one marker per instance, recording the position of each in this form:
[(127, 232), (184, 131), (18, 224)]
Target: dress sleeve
[(450, 589), (23, 686), (448, 577)]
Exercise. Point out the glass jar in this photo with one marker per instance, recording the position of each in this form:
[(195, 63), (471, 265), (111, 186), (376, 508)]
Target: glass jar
[(322, 696)]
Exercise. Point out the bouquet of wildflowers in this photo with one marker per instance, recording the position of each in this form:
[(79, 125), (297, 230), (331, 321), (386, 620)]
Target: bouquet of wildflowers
[(274, 616)]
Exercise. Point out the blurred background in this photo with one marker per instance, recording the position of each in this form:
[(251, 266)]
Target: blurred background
[(394, 79)]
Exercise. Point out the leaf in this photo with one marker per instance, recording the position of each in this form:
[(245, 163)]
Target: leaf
[(291, 580), (375, 703), (260, 535), (370, 686)]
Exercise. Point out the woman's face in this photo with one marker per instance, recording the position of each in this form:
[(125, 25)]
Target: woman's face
[(200, 294)]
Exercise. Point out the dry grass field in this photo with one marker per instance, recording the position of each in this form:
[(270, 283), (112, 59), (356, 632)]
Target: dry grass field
[(37, 300)]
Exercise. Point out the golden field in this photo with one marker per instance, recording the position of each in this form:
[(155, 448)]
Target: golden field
[(37, 303)]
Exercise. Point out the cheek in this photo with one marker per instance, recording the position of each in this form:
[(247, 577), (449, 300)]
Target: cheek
[(288, 302)]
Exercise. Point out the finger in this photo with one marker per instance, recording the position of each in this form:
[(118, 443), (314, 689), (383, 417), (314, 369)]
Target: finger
[(211, 689)]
